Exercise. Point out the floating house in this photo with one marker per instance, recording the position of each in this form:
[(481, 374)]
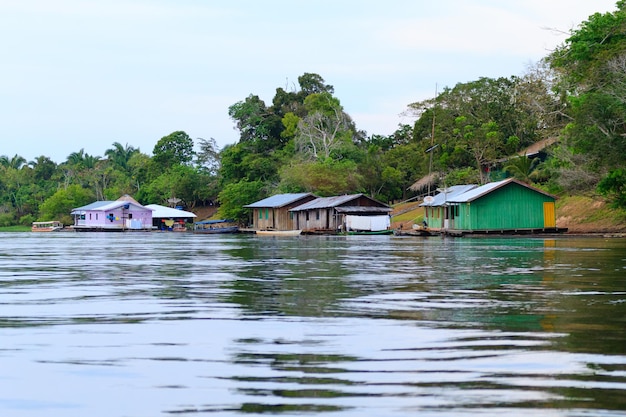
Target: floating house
[(508, 206), (168, 218), (120, 215), (273, 213), (355, 212)]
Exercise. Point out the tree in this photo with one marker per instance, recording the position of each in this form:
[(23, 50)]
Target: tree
[(614, 186), (16, 162), (120, 155), (325, 129), (522, 167), (311, 83), (61, 203), (43, 167), (173, 149), (590, 65), (208, 157), (324, 178), (235, 196)]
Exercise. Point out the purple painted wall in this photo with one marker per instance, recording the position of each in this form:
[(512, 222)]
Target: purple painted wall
[(131, 218)]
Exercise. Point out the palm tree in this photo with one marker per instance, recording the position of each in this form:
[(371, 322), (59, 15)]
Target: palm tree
[(522, 167), (120, 155), (76, 158), (16, 162)]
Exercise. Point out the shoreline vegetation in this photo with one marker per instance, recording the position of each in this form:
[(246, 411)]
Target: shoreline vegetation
[(581, 215), (559, 127)]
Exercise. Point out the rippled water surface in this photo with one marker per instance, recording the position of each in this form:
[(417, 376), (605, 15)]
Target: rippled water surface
[(148, 324)]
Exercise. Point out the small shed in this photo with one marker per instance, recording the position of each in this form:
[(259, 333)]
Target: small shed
[(122, 214), (165, 218), (273, 213), (503, 206), (356, 212)]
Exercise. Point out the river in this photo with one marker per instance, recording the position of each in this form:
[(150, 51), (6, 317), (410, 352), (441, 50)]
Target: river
[(158, 324)]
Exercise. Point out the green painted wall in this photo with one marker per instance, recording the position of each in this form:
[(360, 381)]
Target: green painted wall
[(509, 207)]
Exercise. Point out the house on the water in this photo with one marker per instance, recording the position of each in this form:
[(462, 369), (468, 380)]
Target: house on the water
[(355, 212), (168, 218), (508, 206), (122, 214), (272, 213)]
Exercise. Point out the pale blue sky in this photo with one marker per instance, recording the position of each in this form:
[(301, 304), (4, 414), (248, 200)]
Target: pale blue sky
[(86, 73)]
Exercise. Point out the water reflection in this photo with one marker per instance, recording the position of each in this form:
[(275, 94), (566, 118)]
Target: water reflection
[(146, 324)]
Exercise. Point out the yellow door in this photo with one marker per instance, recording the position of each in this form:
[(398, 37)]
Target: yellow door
[(549, 214)]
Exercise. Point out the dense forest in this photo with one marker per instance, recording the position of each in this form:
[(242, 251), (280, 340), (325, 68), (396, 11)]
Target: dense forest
[(573, 100)]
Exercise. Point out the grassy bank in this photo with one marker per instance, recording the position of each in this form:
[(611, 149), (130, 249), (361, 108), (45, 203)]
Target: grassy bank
[(15, 229)]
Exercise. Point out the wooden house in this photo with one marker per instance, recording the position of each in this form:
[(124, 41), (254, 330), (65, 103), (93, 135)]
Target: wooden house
[(273, 213), (504, 206), (356, 212), (122, 214)]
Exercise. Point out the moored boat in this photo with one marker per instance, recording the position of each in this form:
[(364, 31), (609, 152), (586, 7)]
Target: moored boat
[(51, 226), (215, 227), (270, 232)]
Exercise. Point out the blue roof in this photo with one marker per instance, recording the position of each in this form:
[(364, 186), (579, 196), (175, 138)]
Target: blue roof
[(478, 192), (278, 200), (214, 221)]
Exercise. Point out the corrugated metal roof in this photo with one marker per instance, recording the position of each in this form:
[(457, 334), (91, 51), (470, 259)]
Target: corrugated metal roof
[(363, 209), (278, 200), (451, 192), (106, 205), (478, 192), (326, 202), (161, 212)]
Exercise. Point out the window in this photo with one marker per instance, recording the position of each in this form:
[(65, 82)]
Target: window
[(260, 214), (317, 214), (89, 216), (267, 213), (130, 215)]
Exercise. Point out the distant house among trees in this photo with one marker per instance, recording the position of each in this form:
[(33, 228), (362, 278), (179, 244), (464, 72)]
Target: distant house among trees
[(122, 214)]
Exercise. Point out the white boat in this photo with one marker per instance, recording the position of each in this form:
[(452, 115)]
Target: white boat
[(279, 232), (51, 226)]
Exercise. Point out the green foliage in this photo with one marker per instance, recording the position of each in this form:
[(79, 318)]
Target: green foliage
[(61, 203), (235, 195), (522, 168), (459, 176), (120, 155), (325, 178), (592, 69), (173, 149), (614, 187)]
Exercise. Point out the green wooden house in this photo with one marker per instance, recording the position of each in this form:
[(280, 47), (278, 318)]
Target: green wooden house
[(504, 206)]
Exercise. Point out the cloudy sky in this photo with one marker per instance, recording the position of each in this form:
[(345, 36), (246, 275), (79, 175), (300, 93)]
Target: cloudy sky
[(83, 74)]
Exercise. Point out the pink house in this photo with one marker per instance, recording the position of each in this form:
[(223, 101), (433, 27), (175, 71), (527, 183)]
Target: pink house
[(119, 215)]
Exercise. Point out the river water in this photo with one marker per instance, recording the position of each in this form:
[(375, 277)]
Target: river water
[(158, 324)]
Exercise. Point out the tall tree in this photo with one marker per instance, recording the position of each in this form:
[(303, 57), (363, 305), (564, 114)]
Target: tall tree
[(173, 149), (591, 64)]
